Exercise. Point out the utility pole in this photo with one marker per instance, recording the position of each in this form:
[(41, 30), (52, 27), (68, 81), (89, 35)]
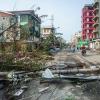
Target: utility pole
[(52, 21), (52, 29)]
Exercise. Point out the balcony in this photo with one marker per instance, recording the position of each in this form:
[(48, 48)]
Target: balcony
[(87, 11), (87, 16), (96, 2), (88, 22), (96, 9), (88, 28), (96, 17), (96, 24)]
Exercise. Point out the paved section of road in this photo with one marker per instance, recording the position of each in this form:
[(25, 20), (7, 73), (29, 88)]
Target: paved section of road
[(92, 58)]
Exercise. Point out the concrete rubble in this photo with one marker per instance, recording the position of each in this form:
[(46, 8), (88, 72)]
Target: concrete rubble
[(63, 87)]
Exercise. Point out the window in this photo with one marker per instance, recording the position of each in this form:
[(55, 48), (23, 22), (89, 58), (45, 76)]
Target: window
[(87, 25), (87, 14), (44, 31), (23, 18), (87, 31), (87, 19)]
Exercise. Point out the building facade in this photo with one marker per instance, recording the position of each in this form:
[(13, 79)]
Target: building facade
[(77, 39), (97, 23), (46, 31), (30, 23), (6, 21), (87, 22), (26, 28)]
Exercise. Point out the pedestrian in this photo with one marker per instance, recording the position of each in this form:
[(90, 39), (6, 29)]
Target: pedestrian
[(73, 48)]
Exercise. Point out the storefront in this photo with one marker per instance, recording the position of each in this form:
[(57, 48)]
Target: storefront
[(81, 43)]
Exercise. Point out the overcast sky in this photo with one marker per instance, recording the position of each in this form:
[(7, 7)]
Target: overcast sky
[(67, 13)]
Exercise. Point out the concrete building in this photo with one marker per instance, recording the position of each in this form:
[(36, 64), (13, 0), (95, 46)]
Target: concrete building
[(46, 31), (87, 22), (29, 22), (76, 39), (26, 27), (97, 23), (6, 21)]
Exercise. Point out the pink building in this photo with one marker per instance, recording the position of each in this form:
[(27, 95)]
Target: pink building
[(87, 22)]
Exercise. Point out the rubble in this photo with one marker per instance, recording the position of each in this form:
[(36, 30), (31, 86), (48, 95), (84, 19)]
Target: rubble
[(92, 90)]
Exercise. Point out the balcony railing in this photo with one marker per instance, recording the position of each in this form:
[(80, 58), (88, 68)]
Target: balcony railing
[(86, 16), (96, 17), (96, 9), (96, 24), (96, 2), (95, 31), (88, 22), (88, 28)]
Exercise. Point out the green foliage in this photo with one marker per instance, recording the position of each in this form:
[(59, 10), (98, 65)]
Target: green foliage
[(70, 98), (29, 61), (48, 42)]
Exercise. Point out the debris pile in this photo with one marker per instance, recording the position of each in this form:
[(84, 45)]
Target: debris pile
[(92, 90)]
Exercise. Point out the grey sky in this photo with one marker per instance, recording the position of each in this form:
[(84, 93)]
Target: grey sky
[(67, 13)]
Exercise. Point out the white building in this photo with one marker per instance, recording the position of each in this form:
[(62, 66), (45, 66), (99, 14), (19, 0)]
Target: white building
[(46, 31), (76, 37)]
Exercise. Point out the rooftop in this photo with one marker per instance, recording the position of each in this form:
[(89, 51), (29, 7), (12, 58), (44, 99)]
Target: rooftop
[(47, 27), (9, 13), (23, 12), (29, 12), (88, 5)]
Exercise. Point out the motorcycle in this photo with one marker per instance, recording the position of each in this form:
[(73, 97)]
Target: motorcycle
[(83, 52)]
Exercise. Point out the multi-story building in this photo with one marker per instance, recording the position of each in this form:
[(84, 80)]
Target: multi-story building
[(87, 22), (97, 22), (76, 39), (26, 27), (6, 21), (30, 23)]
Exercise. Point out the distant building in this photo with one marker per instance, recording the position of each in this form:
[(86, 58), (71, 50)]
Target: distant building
[(46, 31), (21, 25), (97, 23), (76, 39), (87, 22)]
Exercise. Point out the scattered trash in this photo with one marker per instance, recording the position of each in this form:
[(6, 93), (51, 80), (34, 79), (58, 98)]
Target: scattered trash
[(47, 74), (93, 67), (43, 89), (27, 79), (78, 86), (24, 87), (18, 93), (10, 75), (79, 74)]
